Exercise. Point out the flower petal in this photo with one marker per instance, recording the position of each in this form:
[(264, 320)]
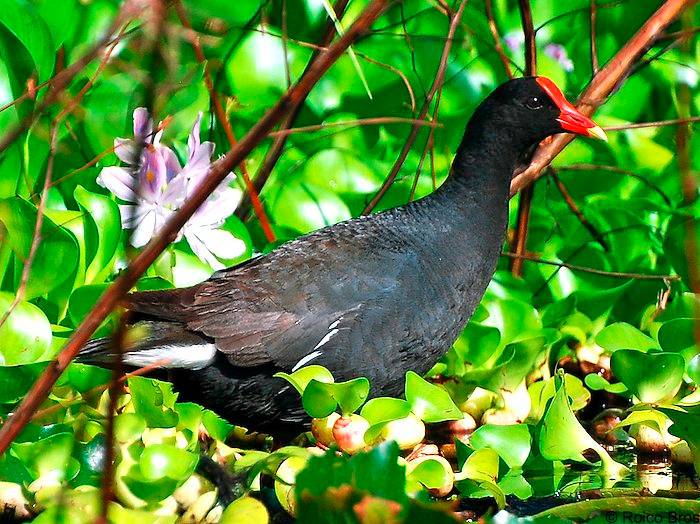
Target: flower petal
[(200, 249), (221, 243), (172, 164), (145, 229), (193, 139), (126, 150), (119, 181), (152, 174), (143, 125)]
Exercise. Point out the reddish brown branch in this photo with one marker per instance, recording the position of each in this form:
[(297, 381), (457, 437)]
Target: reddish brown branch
[(223, 120), (593, 11), (218, 172), (437, 83), (525, 203), (603, 84), (277, 147)]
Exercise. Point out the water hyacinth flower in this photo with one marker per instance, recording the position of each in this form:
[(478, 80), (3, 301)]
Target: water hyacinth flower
[(558, 53), (156, 185)]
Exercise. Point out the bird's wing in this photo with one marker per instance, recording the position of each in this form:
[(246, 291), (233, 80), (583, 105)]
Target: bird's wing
[(275, 309)]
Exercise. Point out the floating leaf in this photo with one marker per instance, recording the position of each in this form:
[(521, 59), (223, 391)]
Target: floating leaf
[(512, 442), (428, 401), (245, 509), (624, 336), (25, 334), (301, 377), (320, 399), (650, 377)]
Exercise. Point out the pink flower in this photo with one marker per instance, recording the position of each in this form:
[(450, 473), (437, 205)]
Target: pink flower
[(157, 185)]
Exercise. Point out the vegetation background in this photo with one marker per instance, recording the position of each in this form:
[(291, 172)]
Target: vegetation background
[(594, 304)]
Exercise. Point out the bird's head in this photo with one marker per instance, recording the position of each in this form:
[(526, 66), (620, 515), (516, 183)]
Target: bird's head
[(534, 107)]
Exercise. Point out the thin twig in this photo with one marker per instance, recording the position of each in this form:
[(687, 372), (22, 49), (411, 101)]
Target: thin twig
[(577, 211), (658, 123), (603, 84), (593, 11), (380, 120), (277, 147), (61, 80), (42, 413), (217, 173), (223, 120), (437, 83), (497, 38), (621, 171), (36, 235), (583, 269)]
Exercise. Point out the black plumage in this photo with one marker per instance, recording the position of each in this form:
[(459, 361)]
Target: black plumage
[(375, 296)]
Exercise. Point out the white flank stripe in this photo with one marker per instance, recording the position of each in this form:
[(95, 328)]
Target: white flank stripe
[(189, 357), (326, 338), (306, 359)]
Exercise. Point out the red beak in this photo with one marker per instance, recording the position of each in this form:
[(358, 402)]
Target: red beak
[(570, 118)]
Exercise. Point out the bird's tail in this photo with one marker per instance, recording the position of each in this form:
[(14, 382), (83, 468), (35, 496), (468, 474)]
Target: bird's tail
[(154, 343)]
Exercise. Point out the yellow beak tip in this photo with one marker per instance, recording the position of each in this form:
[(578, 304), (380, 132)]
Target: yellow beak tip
[(597, 132)]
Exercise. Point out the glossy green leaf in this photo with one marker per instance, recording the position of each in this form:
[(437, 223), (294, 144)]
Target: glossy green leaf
[(25, 334), (103, 228), (301, 377), (511, 442), (650, 377), (429, 402), (245, 509), (623, 336), (57, 255), (320, 399)]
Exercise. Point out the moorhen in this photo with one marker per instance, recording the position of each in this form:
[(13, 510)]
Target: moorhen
[(374, 296)]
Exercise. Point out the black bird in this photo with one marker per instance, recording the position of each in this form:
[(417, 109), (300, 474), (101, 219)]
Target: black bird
[(374, 296)]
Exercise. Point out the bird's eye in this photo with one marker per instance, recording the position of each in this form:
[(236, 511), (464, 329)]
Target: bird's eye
[(533, 103)]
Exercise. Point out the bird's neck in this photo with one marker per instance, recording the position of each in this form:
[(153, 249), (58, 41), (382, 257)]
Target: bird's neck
[(482, 168)]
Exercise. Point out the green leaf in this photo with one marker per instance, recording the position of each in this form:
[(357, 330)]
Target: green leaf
[(685, 425), (49, 457), (650, 377), (599, 383), (162, 460), (428, 401), (677, 334), (563, 438), (360, 471), (624, 336), (25, 335), (479, 475), (103, 228), (21, 19), (217, 427), (154, 400), (321, 398), (431, 473), (382, 410), (15, 381), (57, 255), (512, 442), (301, 377), (245, 509)]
